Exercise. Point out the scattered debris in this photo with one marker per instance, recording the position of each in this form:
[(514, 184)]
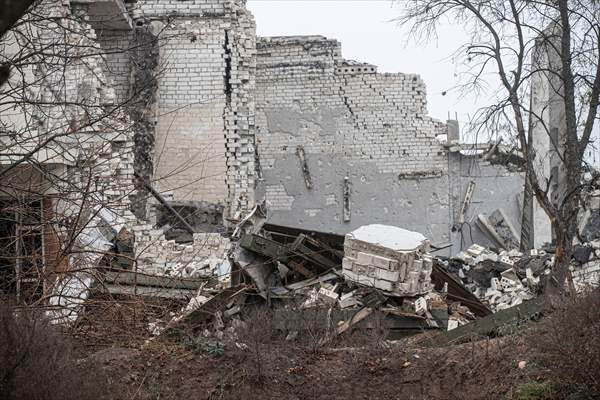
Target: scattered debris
[(342, 282), (506, 279)]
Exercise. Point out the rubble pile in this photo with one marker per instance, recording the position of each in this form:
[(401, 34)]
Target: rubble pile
[(506, 279), (381, 268), (493, 278), (585, 270), (342, 281), (203, 258)]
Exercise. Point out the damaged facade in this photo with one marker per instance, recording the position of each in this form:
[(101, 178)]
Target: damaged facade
[(341, 146), (204, 126), (67, 155)]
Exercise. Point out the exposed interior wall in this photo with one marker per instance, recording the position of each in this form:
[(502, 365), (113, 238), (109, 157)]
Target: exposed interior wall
[(495, 188), (204, 110), (362, 141)]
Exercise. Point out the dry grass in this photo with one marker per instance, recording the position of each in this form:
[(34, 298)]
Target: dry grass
[(567, 346), (38, 362)]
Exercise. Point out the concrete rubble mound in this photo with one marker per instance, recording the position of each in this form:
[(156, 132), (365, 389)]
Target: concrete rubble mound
[(340, 281), (508, 278), (345, 283)]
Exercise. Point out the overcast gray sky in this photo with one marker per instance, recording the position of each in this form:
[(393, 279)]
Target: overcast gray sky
[(366, 33)]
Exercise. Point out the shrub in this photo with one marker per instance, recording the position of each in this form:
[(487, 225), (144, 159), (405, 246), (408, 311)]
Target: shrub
[(567, 345), (37, 362), (533, 390), (257, 334)]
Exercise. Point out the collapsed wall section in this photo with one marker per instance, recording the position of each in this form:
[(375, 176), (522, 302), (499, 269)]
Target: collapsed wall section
[(186, 72), (342, 146), (204, 110), (478, 187)]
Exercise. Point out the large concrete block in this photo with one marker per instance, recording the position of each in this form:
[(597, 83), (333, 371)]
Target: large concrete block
[(403, 269)]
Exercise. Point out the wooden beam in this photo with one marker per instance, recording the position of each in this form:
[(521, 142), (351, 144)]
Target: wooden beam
[(490, 325), (130, 278), (165, 203)]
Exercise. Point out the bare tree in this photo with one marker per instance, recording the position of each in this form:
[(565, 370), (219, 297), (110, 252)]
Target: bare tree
[(70, 140), (504, 44), (65, 148)]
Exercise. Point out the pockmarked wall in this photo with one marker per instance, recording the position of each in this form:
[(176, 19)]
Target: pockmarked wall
[(341, 145), (330, 144)]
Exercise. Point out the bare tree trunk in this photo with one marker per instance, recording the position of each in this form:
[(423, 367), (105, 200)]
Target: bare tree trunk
[(561, 263), (569, 181)]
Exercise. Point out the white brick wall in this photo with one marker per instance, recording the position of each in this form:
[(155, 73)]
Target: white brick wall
[(379, 118), (190, 8), (117, 46), (190, 137), (205, 103)]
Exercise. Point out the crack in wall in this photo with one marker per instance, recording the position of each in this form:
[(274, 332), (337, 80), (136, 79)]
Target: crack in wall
[(227, 75), (344, 97), (144, 92)]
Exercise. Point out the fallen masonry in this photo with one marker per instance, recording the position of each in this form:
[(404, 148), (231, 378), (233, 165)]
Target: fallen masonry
[(506, 279), (324, 143), (307, 276), (339, 284)]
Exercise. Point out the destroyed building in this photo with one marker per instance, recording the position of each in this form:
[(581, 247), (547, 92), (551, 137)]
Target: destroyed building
[(202, 124), (67, 153), (341, 145), (329, 144)]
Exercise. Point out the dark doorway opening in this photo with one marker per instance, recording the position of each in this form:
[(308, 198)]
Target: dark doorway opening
[(22, 250)]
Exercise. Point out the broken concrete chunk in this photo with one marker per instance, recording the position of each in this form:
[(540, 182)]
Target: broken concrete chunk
[(416, 306), (495, 284), (504, 229), (452, 324), (349, 299), (391, 237), (582, 254), (328, 295), (499, 229), (506, 261), (510, 274), (475, 250)]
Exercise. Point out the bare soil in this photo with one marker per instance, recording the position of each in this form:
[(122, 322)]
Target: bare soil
[(114, 337), (482, 370)]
